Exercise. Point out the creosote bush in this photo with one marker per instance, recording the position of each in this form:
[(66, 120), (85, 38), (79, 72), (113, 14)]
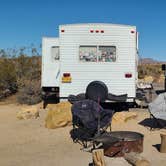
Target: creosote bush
[(149, 70), (8, 78), (20, 73), (30, 93), (28, 80)]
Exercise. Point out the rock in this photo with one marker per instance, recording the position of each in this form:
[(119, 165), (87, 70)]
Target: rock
[(31, 112), (161, 78), (136, 159), (148, 79), (120, 161), (58, 115), (122, 117)]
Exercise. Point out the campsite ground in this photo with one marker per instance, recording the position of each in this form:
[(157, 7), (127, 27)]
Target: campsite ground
[(29, 143)]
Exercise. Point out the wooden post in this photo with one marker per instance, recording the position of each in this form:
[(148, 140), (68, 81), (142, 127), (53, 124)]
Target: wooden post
[(136, 160), (98, 157), (163, 143)]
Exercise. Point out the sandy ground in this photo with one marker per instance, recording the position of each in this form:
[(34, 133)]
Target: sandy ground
[(29, 143)]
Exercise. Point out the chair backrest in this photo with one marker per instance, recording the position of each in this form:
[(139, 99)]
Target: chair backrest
[(158, 107), (88, 114)]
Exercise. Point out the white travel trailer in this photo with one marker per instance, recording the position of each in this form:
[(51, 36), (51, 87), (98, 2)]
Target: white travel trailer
[(86, 52)]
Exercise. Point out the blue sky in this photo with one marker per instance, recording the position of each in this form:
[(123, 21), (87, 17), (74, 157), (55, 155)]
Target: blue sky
[(25, 21)]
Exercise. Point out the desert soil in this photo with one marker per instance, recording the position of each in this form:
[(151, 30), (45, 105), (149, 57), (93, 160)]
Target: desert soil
[(29, 143)]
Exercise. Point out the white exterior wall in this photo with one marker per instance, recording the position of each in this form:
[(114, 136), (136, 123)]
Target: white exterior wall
[(111, 73), (50, 67)]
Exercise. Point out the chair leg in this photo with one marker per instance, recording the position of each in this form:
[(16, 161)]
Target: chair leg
[(153, 122), (84, 144), (110, 127), (44, 104)]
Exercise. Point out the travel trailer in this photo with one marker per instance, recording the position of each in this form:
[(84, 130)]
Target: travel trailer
[(87, 52)]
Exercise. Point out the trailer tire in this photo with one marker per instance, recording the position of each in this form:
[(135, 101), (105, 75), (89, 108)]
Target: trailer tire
[(97, 91)]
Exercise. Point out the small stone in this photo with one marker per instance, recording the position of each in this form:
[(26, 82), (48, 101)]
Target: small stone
[(31, 112)]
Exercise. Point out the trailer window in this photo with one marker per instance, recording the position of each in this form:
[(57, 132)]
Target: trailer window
[(88, 53), (107, 54), (55, 53)]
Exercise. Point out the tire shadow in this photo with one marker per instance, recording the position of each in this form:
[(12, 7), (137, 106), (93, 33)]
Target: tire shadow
[(157, 146)]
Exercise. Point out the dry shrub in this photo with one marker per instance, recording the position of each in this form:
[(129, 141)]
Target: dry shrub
[(30, 93), (149, 70), (8, 80), (20, 73), (27, 68), (28, 71)]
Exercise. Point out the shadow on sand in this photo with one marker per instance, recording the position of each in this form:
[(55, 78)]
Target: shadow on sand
[(157, 146), (117, 107), (153, 123)]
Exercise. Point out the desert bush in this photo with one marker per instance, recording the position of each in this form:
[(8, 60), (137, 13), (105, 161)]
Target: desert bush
[(28, 71), (149, 70), (20, 73), (27, 68), (8, 79), (30, 93)]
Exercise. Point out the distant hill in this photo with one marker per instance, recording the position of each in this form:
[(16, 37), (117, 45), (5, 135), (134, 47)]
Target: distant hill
[(149, 61)]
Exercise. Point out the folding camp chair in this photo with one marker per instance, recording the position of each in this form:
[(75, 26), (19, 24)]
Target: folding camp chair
[(157, 110), (90, 121)]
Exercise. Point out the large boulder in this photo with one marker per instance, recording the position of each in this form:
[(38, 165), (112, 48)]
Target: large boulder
[(58, 115), (30, 112)]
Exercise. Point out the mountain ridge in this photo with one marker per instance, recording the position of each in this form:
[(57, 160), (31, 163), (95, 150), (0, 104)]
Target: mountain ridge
[(150, 61)]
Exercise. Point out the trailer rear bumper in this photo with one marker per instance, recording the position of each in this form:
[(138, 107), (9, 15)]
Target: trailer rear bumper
[(50, 92)]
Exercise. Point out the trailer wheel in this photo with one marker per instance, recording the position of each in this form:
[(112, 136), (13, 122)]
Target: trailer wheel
[(97, 91)]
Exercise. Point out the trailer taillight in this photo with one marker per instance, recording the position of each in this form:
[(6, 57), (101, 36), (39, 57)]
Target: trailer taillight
[(66, 74), (66, 78), (97, 31), (128, 75), (62, 30), (132, 31)]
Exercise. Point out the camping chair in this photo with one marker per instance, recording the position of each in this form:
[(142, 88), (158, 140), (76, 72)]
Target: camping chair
[(90, 121), (157, 110)]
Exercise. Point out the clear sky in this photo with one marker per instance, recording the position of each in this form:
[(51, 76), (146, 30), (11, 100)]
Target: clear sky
[(23, 22)]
